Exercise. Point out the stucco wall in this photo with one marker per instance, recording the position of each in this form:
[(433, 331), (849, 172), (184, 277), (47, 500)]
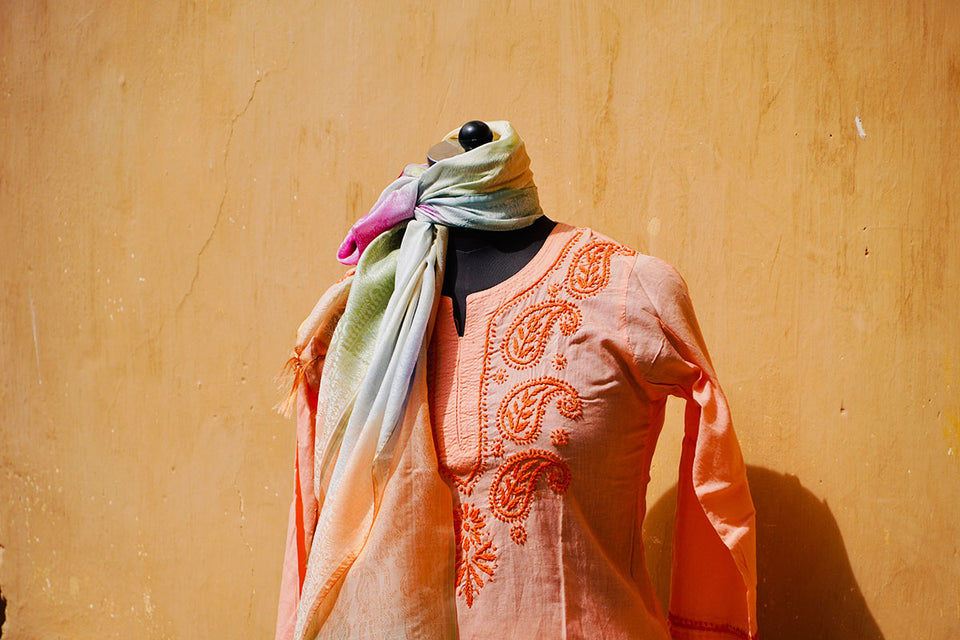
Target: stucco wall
[(175, 177)]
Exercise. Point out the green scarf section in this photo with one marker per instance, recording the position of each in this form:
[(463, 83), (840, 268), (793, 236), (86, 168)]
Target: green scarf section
[(381, 499), (353, 343)]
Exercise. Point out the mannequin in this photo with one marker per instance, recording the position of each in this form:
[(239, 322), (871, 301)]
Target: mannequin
[(478, 260), (446, 484)]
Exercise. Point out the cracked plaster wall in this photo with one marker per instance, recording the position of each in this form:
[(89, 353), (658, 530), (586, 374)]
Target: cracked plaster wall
[(175, 178)]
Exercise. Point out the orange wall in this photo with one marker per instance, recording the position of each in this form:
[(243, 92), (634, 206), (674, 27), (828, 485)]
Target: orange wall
[(175, 177)]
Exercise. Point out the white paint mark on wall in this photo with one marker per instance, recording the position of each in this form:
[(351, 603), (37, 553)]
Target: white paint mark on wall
[(857, 121), (36, 344), (653, 227)]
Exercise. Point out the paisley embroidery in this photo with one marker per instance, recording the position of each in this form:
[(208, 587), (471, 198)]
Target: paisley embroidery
[(466, 482), (526, 339), (517, 336), (515, 483), (476, 558), (520, 417), (589, 270)]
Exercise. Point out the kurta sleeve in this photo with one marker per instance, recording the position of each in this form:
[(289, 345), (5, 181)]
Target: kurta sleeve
[(713, 582), (306, 364)]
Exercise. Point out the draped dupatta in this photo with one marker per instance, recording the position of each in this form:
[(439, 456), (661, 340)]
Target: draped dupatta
[(380, 501)]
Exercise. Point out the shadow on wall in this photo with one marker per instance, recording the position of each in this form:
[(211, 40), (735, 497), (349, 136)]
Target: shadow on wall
[(807, 588)]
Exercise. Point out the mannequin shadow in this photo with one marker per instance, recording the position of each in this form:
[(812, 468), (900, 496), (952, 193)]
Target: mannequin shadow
[(806, 584)]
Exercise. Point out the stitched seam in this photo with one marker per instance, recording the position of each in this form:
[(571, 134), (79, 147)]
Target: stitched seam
[(655, 316), (712, 627)]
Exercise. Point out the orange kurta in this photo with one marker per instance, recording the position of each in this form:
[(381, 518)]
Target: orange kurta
[(545, 415)]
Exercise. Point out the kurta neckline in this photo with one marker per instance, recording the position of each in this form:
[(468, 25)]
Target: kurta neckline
[(523, 278)]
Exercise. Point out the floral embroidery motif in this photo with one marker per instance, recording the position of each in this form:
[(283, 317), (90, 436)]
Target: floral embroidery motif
[(518, 534), (496, 449), (589, 270), (554, 289), (520, 417), (559, 362), (559, 437), (476, 558), (525, 340), (500, 376), (515, 483)]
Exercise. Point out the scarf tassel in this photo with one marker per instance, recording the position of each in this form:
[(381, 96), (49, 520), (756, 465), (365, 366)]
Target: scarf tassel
[(292, 374)]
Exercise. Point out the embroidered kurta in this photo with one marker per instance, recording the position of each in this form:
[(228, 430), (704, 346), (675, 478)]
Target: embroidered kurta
[(544, 417)]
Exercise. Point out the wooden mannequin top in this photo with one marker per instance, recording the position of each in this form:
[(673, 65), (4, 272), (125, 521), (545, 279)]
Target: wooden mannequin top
[(479, 259)]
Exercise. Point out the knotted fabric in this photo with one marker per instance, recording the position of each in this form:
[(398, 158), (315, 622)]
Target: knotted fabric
[(381, 499)]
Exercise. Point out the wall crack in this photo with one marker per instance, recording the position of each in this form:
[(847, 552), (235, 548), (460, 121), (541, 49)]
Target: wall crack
[(226, 188)]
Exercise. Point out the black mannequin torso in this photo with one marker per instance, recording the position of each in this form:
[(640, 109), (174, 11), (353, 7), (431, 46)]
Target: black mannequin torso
[(478, 260)]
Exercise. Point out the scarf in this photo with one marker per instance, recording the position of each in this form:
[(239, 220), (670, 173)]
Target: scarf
[(380, 495)]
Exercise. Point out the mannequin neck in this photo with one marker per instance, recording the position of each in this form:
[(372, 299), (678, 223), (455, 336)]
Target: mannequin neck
[(479, 259)]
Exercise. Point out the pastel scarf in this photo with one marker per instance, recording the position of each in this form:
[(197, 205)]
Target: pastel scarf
[(376, 473)]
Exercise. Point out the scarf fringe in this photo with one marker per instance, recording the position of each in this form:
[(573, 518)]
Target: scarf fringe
[(292, 375)]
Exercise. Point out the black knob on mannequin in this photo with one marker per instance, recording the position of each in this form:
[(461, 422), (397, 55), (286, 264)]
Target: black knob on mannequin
[(473, 134)]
